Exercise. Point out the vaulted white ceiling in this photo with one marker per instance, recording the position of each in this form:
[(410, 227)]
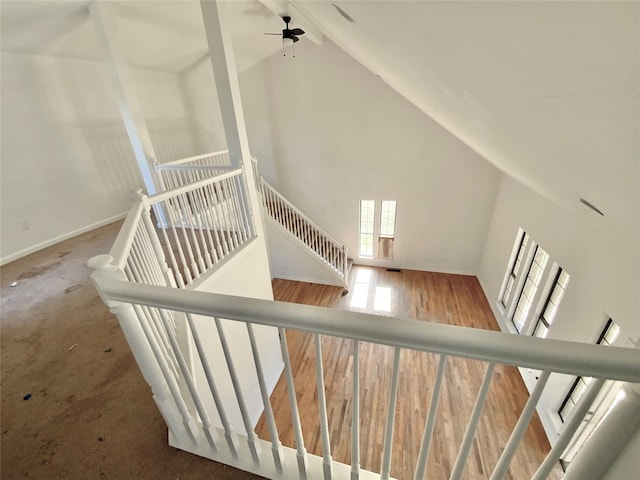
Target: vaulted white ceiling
[(549, 92)]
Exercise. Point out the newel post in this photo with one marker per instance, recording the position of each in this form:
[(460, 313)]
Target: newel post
[(157, 168), (104, 269), (345, 267)]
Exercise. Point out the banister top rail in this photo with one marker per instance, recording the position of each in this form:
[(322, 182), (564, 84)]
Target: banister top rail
[(191, 159), (300, 213), (616, 363), (125, 238), (159, 197), (195, 167)]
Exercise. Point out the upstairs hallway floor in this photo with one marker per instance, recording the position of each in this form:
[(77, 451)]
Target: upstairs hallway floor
[(90, 414)]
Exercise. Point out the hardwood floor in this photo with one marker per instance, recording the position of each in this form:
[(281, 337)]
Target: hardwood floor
[(423, 296)]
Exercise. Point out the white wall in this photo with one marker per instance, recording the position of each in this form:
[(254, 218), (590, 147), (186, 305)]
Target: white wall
[(66, 161), (603, 277), (291, 260), (328, 133), (246, 274), (201, 99)]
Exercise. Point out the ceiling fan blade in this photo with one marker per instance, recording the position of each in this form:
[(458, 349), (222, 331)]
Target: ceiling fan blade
[(297, 31), (294, 38), (279, 34)]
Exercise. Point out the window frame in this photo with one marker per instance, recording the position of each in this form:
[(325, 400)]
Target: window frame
[(361, 233), (580, 379), (532, 299), (555, 284), (519, 259), (393, 221)]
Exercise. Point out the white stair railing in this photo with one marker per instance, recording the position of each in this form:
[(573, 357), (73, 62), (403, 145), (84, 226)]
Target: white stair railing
[(196, 227), (193, 169), (324, 246), (145, 310), (329, 251)]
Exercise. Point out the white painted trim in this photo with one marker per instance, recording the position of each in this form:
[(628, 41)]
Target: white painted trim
[(60, 238), (303, 247), (373, 262), (307, 280)]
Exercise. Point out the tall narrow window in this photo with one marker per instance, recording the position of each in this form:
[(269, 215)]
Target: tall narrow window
[(525, 301), (552, 303), (388, 218), (387, 229), (367, 217), (515, 270), (579, 386)]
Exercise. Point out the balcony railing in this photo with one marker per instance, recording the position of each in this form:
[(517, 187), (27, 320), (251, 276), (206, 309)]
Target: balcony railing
[(159, 320), (174, 237), (182, 172)]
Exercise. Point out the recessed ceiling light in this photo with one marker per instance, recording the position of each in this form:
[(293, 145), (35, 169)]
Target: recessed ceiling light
[(346, 16), (591, 206)]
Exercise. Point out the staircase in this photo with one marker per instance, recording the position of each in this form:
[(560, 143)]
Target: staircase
[(331, 253)]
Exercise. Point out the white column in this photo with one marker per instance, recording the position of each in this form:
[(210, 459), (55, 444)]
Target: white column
[(610, 437), (216, 27), (226, 77), (114, 59)]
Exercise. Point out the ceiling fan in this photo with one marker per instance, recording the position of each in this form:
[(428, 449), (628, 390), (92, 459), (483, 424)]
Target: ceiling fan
[(289, 35)]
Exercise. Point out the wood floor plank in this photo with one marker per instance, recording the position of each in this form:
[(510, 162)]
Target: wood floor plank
[(423, 296)]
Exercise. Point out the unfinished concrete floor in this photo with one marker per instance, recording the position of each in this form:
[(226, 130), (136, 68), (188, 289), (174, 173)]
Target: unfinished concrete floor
[(74, 403)]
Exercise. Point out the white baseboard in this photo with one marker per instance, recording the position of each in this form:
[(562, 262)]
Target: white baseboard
[(373, 262), (296, 278), (60, 238)]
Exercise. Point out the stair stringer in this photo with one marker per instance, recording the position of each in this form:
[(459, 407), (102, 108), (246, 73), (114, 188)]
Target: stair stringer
[(291, 259)]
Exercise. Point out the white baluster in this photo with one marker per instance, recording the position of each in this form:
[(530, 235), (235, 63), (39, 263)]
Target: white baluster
[(463, 453), (203, 259), (203, 224), (301, 452), (224, 419), (423, 456), (209, 432), (355, 413), (276, 446), (246, 419), (327, 463), (167, 274), (184, 272), (187, 223), (388, 436), (520, 428), (174, 264), (223, 247)]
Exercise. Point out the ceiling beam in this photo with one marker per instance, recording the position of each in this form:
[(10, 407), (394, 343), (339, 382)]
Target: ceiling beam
[(114, 55), (299, 18)]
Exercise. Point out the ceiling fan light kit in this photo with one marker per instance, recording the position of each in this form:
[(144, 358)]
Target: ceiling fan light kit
[(289, 36)]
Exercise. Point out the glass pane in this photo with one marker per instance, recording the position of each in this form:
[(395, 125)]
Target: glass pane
[(611, 334), (366, 245), (367, 208), (388, 218)]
